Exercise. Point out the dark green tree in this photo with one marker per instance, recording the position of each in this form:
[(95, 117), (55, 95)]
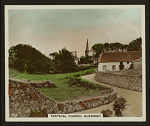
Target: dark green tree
[(116, 45), (63, 61), (135, 45), (125, 46), (86, 59), (26, 58), (97, 50), (106, 46)]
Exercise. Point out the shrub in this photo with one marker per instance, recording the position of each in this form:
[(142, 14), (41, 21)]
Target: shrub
[(107, 113), (119, 106), (73, 83), (35, 113), (77, 75), (89, 85)]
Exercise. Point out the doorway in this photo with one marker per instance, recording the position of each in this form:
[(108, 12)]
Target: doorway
[(121, 66)]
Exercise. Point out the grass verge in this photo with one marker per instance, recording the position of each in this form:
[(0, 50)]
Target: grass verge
[(63, 91)]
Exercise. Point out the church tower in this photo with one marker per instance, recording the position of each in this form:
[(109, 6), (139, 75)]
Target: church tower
[(87, 49)]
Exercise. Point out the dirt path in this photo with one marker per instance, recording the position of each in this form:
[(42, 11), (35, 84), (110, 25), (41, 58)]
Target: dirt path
[(134, 100)]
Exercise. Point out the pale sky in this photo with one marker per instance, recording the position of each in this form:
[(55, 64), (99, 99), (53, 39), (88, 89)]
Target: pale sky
[(49, 30)]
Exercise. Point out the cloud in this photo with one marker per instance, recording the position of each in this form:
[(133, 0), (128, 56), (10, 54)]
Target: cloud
[(50, 30)]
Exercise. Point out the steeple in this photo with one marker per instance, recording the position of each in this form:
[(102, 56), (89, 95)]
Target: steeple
[(87, 49)]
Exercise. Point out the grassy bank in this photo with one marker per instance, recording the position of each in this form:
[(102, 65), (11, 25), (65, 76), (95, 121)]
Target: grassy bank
[(64, 90)]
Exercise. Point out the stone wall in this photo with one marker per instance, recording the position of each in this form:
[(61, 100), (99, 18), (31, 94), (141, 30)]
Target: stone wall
[(82, 104), (24, 96), (131, 82), (137, 65)]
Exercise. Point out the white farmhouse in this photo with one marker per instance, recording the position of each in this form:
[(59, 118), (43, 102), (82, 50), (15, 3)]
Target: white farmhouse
[(115, 61)]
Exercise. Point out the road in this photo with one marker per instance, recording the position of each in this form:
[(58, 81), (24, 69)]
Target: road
[(134, 101)]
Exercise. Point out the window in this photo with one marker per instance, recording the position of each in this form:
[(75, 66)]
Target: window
[(113, 67), (104, 67)]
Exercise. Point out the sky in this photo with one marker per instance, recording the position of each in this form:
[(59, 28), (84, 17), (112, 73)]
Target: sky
[(50, 30)]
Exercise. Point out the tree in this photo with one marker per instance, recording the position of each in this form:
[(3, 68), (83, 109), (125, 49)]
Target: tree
[(97, 50), (26, 58), (125, 46), (116, 45), (58, 65), (135, 45), (106, 46), (86, 59), (53, 55), (63, 61)]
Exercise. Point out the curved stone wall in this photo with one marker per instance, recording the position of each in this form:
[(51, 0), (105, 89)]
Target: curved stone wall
[(24, 96), (83, 104)]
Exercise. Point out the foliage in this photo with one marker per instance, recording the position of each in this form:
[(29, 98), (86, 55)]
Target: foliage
[(107, 113), (97, 50), (86, 59), (86, 68), (84, 83), (135, 45), (115, 45), (86, 72), (26, 58), (35, 113), (106, 46), (119, 106), (62, 61)]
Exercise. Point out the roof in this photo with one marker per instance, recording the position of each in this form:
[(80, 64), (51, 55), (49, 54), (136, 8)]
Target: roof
[(120, 56), (138, 60)]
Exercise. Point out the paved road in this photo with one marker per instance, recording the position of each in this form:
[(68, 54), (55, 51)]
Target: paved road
[(134, 100)]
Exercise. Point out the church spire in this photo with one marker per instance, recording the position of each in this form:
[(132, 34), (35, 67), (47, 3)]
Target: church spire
[(87, 46), (87, 49)]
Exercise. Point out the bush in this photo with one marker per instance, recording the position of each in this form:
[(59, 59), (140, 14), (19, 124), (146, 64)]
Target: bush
[(77, 75), (86, 59), (35, 113), (73, 83), (107, 113), (119, 106), (89, 85)]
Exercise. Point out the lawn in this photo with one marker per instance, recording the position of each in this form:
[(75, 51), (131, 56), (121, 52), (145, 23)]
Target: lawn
[(63, 90)]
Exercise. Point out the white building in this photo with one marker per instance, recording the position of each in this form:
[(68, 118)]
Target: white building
[(76, 59), (115, 61)]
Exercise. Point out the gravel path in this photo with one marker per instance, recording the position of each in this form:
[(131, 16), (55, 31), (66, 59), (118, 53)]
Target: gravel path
[(134, 101)]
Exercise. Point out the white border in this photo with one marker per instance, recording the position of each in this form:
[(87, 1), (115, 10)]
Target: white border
[(110, 119)]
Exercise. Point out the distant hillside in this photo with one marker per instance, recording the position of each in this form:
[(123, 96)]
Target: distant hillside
[(28, 59)]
